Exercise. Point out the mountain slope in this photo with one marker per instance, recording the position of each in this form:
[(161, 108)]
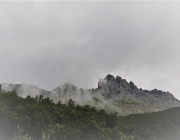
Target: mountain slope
[(45, 120), (24, 89), (131, 99), (162, 125), (112, 94)]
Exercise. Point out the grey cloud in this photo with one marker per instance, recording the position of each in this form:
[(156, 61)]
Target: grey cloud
[(49, 43)]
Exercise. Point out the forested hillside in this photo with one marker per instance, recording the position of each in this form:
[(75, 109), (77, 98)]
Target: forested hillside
[(41, 119), (163, 125)]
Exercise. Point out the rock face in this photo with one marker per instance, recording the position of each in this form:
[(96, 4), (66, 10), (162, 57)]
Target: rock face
[(113, 94), (132, 100)]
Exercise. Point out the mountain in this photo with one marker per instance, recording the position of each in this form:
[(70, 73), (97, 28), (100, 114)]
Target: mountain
[(112, 94), (132, 100), (25, 89)]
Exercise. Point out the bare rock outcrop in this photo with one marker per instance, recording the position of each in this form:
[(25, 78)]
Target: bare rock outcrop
[(131, 99), (112, 94)]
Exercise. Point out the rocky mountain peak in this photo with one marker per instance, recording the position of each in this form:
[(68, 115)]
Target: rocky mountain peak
[(127, 95), (132, 85), (115, 85), (66, 88), (114, 93), (110, 77), (118, 79)]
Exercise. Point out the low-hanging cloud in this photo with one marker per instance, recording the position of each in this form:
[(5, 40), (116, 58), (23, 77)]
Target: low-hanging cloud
[(49, 43)]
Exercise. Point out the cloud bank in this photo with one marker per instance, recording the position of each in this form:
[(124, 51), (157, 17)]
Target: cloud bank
[(49, 43)]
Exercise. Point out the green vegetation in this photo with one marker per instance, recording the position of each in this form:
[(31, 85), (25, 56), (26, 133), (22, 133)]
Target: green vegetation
[(41, 119), (163, 125)]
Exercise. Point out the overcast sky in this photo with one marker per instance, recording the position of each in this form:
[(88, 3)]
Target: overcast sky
[(49, 43)]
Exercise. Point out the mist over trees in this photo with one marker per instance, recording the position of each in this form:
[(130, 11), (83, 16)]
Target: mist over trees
[(43, 118), (39, 118)]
